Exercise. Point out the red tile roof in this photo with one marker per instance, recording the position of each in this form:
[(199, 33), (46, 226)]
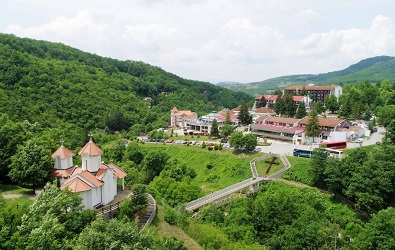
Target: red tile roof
[(264, 111), (261, 118), (90, 149), (324, 122), (91, 178), (279, 129), (276, 119), (77, 185), (297, 98), (62, 152), (63, 173), (118, 172)]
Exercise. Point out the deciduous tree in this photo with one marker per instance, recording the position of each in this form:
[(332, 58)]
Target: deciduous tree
[(331, 103), (249, 142), (32, 165)]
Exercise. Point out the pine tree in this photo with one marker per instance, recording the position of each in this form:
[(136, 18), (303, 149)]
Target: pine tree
[(301, 112), (261, 103), (244, 116), (313, 127), (290, 106), (228, 120), (280, 107), (214, 128)]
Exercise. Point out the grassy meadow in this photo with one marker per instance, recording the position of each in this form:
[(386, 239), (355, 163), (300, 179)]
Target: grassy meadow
[(215, 169)]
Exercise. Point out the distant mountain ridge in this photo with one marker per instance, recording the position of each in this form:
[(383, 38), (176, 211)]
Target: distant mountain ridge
[(372, 69)]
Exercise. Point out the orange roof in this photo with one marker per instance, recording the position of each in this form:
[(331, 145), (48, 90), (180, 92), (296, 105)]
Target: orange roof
[(63, 173), (352, 128), (264, 110), (277, 119), (313, 87), (100, 173), (77, 185), (118, 172), (91, 178), (261, 118), (185, 112), (324, 122), (297, 98), (90, 149), (174, 109), (62, 152)]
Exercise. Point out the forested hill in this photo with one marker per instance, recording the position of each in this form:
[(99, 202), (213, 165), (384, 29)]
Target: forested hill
[(54, 84), (373, 69)]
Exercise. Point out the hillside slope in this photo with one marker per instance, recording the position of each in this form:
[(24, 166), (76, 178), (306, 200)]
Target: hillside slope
[(54, 84), (371, 69)]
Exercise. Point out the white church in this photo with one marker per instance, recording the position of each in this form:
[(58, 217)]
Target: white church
[(95, 181)]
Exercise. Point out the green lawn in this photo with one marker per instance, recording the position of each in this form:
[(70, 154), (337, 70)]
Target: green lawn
[(215, 169), (262, 166), (300, 170), (13, 189)]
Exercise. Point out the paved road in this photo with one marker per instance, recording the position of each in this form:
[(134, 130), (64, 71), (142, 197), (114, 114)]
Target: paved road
[(285, 148)]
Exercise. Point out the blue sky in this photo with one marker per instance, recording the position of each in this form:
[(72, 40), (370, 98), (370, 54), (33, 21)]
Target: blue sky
[(214, 40)]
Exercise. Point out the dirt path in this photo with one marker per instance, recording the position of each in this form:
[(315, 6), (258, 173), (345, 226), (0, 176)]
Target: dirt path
[(15, 196), (167, 230), (294, 183)]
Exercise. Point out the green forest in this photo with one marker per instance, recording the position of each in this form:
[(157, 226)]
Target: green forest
[(59, 86), (375, 69), (51, 92)]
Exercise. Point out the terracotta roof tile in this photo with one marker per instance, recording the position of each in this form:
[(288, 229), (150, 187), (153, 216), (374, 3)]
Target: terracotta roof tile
[(324, 122), (77, 185), (261, 118), (91, 178), (63, 173), (118, 172), (100, 173), (90, 149), (297, 98), (264, 110), (62, 152), (277, 119)]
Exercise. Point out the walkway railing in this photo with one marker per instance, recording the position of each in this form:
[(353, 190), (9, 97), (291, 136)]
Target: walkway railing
[(280, 173), (151, 212), (223, 192), (239, 186)]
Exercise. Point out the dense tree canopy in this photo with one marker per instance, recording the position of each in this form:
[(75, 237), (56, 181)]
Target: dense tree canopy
[(32, 165)]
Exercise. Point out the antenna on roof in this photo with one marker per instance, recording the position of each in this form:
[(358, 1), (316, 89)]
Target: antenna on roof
[(90, 135), (61, 142)]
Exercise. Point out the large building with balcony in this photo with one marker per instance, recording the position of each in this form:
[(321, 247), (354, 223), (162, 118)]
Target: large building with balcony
[(317, 93)]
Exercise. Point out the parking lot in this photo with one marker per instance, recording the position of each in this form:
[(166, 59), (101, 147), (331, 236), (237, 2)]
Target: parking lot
[(285, 148)]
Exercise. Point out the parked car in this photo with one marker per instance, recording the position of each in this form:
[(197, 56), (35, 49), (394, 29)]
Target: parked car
[(359, 140)]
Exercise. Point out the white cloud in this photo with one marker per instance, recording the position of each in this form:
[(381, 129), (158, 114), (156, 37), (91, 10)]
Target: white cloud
[(215, 40)]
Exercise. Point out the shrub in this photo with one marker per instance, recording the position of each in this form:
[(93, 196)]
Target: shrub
[(170, 216), (210, 148)]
